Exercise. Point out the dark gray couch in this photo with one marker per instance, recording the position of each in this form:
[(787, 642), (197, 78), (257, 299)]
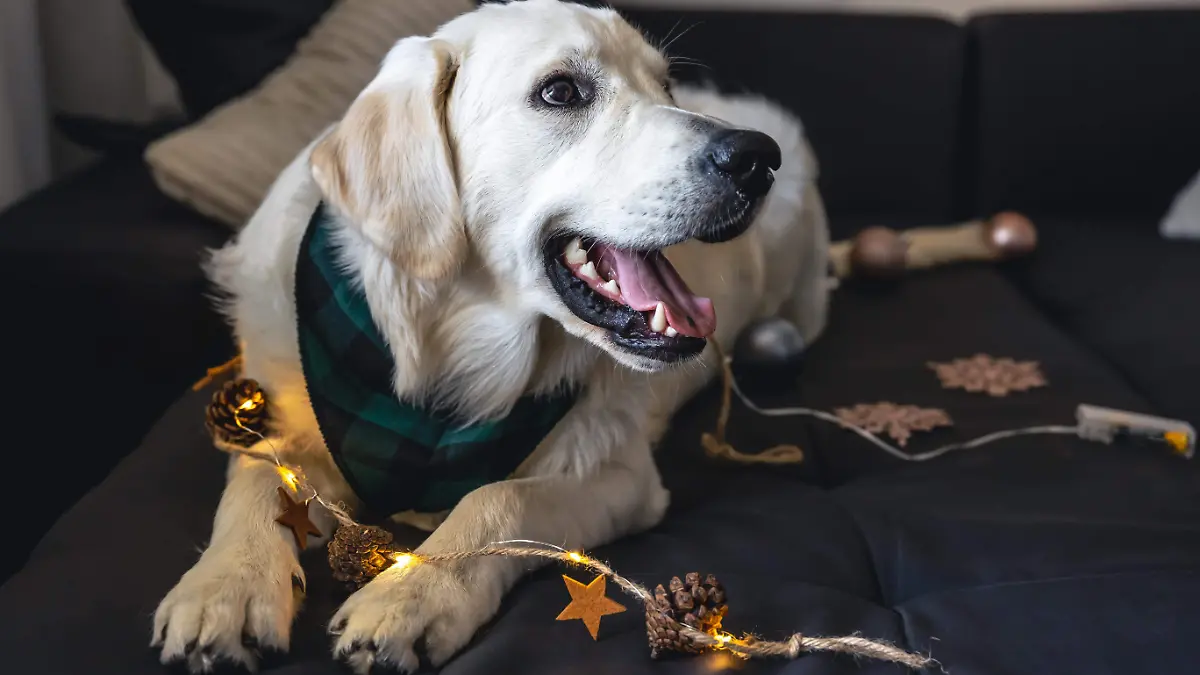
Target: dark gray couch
[(1036, 555)]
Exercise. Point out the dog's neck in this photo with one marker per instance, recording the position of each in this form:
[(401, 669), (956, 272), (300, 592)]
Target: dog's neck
[(456, 343)]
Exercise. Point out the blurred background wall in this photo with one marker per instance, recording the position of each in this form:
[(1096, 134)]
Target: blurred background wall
[(72, 56), (85, 57)]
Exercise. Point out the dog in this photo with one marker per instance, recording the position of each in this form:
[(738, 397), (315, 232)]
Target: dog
[(517, 200)]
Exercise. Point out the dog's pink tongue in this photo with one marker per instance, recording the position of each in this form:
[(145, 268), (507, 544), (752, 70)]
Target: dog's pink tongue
[(648, 278)]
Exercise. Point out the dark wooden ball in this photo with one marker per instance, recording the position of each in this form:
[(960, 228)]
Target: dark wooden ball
[(769, 353)]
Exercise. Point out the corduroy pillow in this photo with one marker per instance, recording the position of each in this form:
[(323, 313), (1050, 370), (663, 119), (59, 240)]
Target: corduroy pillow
[(223, 165)]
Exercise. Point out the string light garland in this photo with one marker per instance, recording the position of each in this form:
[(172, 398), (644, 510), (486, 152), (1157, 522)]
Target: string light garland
[(358, 552), (746, 646)]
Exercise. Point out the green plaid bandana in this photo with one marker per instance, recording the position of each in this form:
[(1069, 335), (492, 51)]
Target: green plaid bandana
[(395, 455)]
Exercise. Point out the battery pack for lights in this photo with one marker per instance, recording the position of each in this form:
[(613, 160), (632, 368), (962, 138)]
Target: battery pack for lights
[(1106, 425)]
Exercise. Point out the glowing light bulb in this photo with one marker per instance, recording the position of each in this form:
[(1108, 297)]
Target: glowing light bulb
[(289, 477), (725, 639)]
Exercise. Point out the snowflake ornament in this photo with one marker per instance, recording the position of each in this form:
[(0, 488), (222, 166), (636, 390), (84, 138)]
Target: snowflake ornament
[(983, 373), (898, 421)]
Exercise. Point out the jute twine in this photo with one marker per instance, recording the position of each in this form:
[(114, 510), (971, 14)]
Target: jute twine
[(715, 444), (216, 371), (746, 647)]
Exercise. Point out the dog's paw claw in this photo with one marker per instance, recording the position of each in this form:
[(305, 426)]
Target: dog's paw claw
[(158, 636), (381, 625)]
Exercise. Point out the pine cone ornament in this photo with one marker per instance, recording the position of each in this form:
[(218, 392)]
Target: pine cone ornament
[(238, 401), (689, 601), (357, 554)]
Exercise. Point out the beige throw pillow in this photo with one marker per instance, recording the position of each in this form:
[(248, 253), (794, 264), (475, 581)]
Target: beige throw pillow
[(223, 165)]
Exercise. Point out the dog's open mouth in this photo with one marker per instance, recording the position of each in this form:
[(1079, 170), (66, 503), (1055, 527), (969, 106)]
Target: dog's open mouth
[(636, 295)]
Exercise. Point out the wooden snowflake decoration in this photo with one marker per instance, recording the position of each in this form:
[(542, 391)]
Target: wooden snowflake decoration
[(983, 373), (897, 421)]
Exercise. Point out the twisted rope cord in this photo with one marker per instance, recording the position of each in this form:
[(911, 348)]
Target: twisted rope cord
[(790, 648)]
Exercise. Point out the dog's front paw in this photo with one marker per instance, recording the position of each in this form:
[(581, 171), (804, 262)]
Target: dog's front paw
[(381, 623), (232, 605)]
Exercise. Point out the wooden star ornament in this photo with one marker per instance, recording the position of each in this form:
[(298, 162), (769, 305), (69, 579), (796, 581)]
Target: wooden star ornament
[(295, 518), (589, 603)]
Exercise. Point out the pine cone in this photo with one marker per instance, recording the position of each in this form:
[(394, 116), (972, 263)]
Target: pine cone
[(687, 601), (358, 554), (240, 400)]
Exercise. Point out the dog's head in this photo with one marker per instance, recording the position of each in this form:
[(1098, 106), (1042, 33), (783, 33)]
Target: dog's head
[(539, 140)]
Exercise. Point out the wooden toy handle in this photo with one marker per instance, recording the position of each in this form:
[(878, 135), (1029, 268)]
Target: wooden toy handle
[(930, 246), (880, 251), (1001, 236)]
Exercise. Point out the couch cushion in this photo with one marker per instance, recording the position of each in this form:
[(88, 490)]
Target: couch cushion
[(107, 317), (1129, 295), (1088, 114), (878, 95), (218, 49), (1043, 554)]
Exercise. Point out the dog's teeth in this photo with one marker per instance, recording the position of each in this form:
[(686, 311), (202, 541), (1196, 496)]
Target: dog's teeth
[(588, 271), (658, 323), (670, 332), (575, 253), (612, 287)]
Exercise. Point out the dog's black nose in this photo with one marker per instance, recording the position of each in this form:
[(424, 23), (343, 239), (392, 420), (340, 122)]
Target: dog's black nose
[(747, 157)]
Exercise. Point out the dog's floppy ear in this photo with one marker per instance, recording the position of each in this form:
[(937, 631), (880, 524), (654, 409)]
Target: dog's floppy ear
[(387, 164)]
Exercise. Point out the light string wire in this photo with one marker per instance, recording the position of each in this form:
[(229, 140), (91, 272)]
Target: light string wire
[(747, 646), (292, 476), (891, 449), (730, 384)]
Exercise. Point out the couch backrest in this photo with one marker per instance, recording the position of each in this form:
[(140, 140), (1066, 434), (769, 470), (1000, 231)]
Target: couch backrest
[(879, 95), (913, 119), (1092, 114)]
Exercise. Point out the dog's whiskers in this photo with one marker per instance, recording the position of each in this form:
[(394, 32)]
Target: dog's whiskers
[(675, 39), (664, 42)]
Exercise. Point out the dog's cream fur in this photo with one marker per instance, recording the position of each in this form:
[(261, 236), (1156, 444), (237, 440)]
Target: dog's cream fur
[(446, 181)]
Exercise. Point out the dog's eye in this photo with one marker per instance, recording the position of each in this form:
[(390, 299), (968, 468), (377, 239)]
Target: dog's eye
[(560, 91)]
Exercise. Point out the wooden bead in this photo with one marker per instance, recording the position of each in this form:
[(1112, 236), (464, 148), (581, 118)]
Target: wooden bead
[(1010, 234), (879, 252)]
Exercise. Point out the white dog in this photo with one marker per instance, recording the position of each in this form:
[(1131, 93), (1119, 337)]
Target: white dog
[(503, 198)]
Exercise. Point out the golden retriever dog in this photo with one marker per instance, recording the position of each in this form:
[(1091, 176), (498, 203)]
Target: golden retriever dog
[(526, 207)]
